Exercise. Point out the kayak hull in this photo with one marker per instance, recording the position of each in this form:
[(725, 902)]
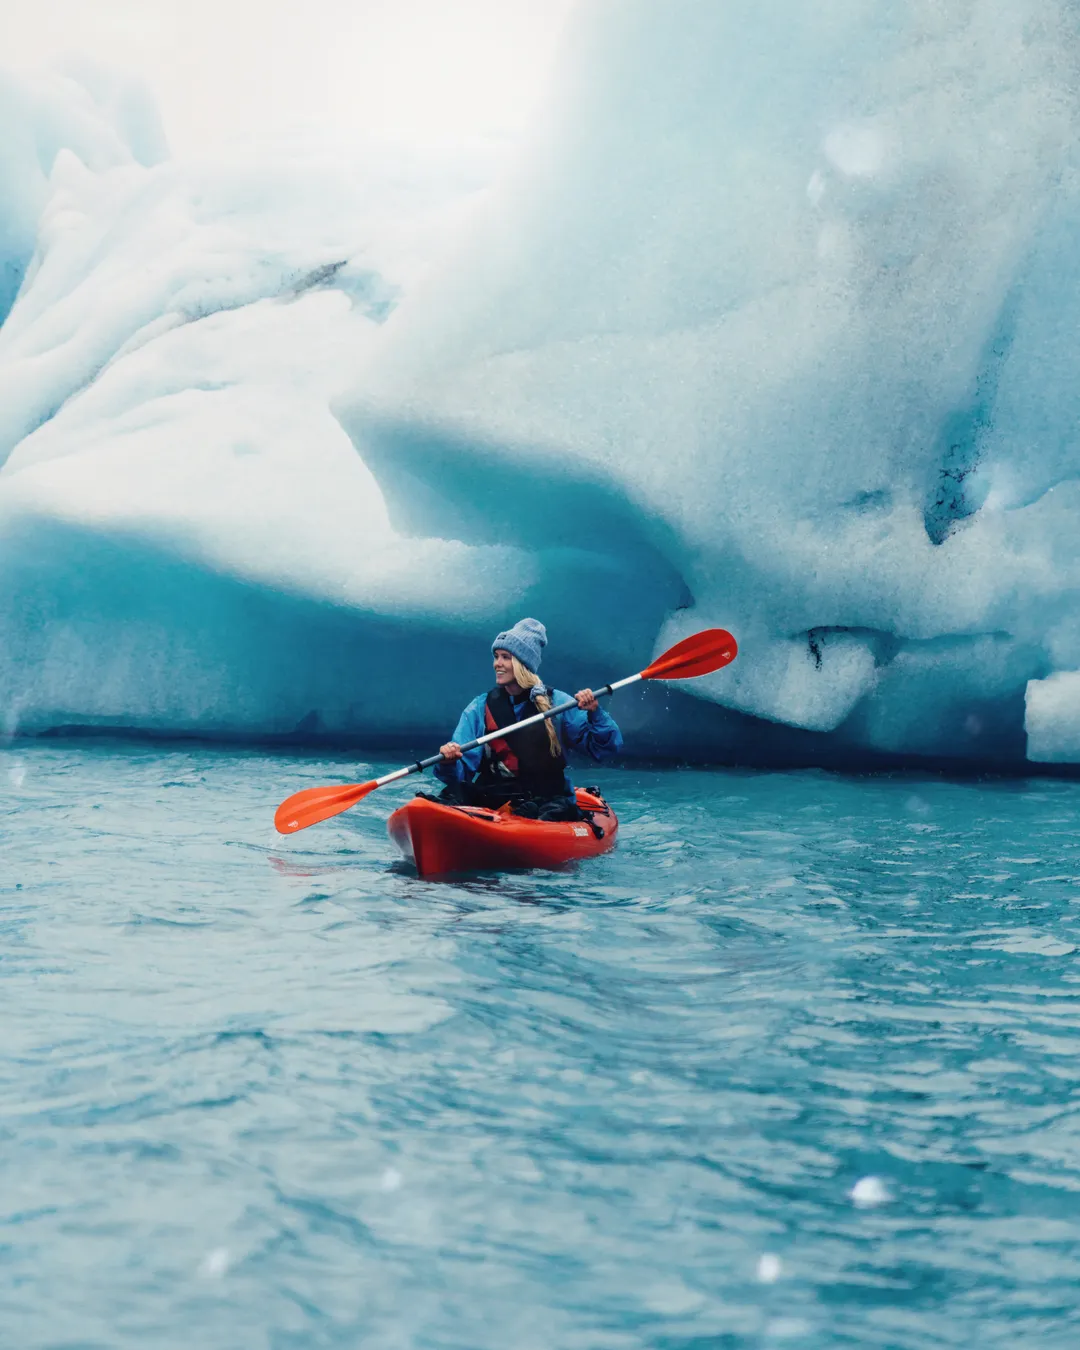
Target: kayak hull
[(438, 838)]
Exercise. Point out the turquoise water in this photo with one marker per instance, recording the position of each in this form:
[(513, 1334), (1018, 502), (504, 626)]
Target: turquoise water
[(279, 1093)]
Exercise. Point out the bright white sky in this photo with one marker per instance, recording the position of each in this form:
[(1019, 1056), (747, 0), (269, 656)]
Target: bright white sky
[(407, 69)]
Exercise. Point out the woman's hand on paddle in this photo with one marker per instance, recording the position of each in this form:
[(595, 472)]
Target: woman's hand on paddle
[(451, 750), (586, 700)]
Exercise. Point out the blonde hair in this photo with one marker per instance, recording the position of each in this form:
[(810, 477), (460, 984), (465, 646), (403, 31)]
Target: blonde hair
[(526, 679)]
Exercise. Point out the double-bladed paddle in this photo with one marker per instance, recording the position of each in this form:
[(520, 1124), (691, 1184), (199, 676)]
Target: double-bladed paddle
[(697, 655)]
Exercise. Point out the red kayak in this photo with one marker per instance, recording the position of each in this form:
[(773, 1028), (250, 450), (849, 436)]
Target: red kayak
[(439, 838)]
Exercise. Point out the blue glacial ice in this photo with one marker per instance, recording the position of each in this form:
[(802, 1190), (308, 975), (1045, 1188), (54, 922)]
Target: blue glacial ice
[(772, 324)]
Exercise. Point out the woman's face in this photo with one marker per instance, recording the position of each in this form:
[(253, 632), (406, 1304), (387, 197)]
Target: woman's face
[(504, 667)]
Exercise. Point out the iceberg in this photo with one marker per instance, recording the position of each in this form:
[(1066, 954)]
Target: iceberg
[(785, 279), (188, 541), (771, 325), (103, 118)]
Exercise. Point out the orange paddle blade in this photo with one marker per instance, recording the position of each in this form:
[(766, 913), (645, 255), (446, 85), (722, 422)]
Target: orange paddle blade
[(314, 804), (697, 655)]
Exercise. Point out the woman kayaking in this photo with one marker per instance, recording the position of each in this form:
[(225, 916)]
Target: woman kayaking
[(439, 839), (527, 769)]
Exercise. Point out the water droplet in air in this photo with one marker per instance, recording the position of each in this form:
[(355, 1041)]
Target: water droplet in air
[(390, 1180), (214, 1264), (769, 1268), (868, 1192)]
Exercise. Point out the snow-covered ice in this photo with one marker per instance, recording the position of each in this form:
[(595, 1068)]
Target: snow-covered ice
[(772, 324), (105, 119)]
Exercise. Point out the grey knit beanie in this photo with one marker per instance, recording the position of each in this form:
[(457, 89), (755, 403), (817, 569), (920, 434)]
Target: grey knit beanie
[(526, 640)]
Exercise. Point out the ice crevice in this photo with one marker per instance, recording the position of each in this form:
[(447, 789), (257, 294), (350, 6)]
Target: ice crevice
[(957, 493)]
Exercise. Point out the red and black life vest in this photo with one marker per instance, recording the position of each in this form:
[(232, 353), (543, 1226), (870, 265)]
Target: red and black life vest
[(525, 757)]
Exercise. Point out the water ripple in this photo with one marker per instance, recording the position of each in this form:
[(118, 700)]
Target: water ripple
[(797, 1065)]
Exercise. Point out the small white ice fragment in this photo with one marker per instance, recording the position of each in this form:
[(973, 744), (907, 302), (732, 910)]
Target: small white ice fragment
[(868, 1192), (390, 1180), (769, 1268), (214, 1264)]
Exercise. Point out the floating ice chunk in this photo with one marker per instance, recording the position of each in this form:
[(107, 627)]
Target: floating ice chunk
[(1052, 718), (868, 1192), (769, 1268), (215, 1264), (390, 1180)]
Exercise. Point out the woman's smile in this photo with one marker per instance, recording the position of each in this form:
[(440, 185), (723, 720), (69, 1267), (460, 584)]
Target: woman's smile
[(504, 669)]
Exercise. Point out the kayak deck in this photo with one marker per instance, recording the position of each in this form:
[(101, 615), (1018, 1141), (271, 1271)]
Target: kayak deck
[(439, 838)]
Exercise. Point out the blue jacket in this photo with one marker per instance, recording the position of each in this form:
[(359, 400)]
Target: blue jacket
[(595, 733)]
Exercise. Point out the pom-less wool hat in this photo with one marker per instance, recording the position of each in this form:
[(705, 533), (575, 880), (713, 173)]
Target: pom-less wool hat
[(526, 640)]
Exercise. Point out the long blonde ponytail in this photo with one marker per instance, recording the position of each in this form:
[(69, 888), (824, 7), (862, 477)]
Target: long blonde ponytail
[(526, 679)]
